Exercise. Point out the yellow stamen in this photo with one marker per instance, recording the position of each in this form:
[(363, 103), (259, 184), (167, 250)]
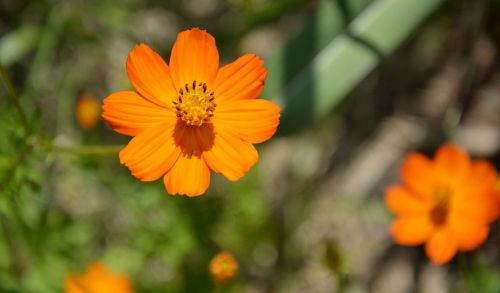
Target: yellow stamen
[(195, 104)]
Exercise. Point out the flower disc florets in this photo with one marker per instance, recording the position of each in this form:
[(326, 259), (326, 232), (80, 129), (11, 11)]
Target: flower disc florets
[(195, 104)]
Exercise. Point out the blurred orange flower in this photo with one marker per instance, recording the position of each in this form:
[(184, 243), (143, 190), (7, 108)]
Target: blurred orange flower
[(88, 111), (446, 203), (97, 279), (223, 267), (191, 116)]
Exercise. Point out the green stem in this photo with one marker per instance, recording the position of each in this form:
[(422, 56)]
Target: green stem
[(11, 170), (462, 266), (83, 150), (218, 288), (11, 93), (16, 257)]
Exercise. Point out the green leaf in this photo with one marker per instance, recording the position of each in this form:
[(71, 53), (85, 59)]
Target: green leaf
[(17, 44), (482, 278)]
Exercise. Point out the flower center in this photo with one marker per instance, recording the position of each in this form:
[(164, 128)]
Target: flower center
[(195, 104), (442, 204)]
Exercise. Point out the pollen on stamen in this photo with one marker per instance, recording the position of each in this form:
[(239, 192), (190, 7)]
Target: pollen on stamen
[(195, 106)]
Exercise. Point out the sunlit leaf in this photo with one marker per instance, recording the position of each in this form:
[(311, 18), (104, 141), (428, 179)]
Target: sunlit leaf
[(17, 44)]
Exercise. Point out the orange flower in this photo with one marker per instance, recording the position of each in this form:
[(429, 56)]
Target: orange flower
[(97, 279), (447, 203), (87, 112), (223, 267), (191, 116)]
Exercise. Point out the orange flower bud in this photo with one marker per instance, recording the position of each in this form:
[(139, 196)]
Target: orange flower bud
[(97, 279), (88, 111), (223, 267)]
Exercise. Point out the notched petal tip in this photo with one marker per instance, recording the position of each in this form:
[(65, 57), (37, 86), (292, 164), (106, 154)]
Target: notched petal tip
[(139, 49), (196, 30), (195, 194), (189, 176), (138, 46)]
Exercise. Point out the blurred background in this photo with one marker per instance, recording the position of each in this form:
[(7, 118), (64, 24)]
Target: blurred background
[(361, 83)]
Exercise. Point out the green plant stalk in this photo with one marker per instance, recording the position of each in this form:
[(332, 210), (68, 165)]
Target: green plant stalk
[(83, 150), (17, 258), (16, 247), (45, 51), (21, 157), (14, 98), (462, 266)]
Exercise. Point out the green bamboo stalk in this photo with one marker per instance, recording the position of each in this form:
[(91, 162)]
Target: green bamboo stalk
[(348, 58), (329, 20)]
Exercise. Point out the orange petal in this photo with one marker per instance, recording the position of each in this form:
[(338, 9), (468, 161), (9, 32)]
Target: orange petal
[(402, 202), (97, 279), (418, 174), (452, 164), (227, 154), (254, 121), (479, 188), (152, 153), (150, 75), (468, 232), (190, 176), (194, 57), (441, 247), (129, 113), (477, 197), (412, 230), (480, 205), (242, 79), (481, 174), (74, 284)]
